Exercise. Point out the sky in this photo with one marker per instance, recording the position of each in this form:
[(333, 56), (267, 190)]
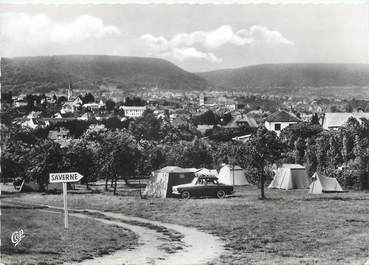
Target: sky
[(195, 37)]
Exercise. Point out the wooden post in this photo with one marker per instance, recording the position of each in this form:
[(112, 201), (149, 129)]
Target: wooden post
[(233, 172), (262, 183), (65, 177), (139, 185), (65, 205)]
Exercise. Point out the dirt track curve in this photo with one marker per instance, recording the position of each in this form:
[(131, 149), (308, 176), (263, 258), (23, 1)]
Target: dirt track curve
[(158, 243)]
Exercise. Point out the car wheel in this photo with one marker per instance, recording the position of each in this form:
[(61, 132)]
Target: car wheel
[(186, 195), (221, 194)]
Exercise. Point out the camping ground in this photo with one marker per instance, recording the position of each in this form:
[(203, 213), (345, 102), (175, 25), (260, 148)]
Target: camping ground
[(290, 227)]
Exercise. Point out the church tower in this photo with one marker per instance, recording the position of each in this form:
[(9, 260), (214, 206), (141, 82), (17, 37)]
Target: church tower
[(70, 91)]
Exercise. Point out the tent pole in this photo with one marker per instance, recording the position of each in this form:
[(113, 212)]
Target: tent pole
[(233, 173)]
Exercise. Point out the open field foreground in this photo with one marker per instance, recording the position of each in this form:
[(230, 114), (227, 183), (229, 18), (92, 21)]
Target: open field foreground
[(291, 227), (46, 241)]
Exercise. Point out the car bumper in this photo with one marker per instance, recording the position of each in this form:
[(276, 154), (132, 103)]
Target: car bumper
[(175, 192)]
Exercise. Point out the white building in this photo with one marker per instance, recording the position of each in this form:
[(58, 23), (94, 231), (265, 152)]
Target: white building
[(33, 121), (242, 139), (279, 120), (133, 111), (338, 119), (93, 105), (71, 105), (20, 103)]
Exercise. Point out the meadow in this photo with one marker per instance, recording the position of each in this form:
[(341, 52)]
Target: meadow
[(289, 227)]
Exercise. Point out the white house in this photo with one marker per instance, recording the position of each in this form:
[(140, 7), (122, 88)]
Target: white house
[(86, 116), (57, 115), (243, 138), (133, 111), (334, 120), (228, 103), (33, 121), (20, 103), (94, 105), (71, 105), (279, 120), (207, 101), (212, 101), (61, 136)]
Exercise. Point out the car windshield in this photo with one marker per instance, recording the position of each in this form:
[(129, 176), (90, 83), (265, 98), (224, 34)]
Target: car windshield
[(200, 181), (211, 181)]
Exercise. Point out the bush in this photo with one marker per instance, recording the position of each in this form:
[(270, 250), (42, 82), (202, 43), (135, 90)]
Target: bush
[(350, 178), (252, 175)]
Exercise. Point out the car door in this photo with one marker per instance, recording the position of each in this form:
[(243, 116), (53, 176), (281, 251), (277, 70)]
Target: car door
[(211, 187), (198, 188)]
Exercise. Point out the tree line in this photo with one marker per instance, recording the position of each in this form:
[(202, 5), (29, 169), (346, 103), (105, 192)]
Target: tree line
[(112, 152)]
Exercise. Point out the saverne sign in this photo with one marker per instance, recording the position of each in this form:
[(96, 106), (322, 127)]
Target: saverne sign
[(65, 177)]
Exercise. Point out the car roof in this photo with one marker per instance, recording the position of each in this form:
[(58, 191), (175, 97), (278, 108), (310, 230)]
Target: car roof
[(207, 177)]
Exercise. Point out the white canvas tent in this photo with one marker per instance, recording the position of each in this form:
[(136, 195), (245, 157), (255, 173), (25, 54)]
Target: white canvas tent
[(290, 176), (322, 184), (232, 175), (162, 181)]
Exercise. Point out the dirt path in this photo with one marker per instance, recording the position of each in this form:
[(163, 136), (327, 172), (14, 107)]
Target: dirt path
[(159, 243), (195, 247)]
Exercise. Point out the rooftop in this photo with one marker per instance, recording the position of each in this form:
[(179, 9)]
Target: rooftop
[(338, 119), (282, 116)]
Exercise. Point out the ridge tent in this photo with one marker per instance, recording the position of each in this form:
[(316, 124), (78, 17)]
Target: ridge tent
[(290, 176), (162, 180), (31, 186), (322, 184), (232, 175)]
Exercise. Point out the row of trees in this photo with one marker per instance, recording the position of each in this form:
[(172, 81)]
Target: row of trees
[(342, 153), (113, 152), (99, 153)]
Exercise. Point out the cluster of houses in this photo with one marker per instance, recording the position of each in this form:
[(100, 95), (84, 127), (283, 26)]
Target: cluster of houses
[(277, 121), (212, 101)]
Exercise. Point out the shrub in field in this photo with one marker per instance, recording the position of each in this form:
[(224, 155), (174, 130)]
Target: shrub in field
[(252, 175), (350, 179)]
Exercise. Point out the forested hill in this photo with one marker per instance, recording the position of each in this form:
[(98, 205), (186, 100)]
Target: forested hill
[(45, 73), (286, 78)]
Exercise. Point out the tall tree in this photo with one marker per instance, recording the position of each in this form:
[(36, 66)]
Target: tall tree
[(263, 149), (315, 119), (88, 98), (299, 150), (310, 157), (80, 157), (45, 158), (110, 105), (120, 155), (146, 127)]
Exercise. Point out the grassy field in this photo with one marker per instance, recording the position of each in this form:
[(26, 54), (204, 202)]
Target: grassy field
[(290, 227), (46, 240)]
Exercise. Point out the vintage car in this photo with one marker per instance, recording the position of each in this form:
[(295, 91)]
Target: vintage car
[(203, 186)]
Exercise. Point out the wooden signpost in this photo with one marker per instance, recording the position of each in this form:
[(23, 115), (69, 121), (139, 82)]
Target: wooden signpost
[(65, 178)]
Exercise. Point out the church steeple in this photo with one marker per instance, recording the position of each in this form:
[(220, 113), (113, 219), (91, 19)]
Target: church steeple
[(69, 91)]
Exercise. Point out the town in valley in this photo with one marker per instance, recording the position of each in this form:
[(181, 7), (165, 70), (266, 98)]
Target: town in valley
[(184, 134)]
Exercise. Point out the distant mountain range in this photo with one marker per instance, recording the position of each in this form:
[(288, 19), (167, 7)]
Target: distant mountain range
[(46, 73), (294, 79)]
